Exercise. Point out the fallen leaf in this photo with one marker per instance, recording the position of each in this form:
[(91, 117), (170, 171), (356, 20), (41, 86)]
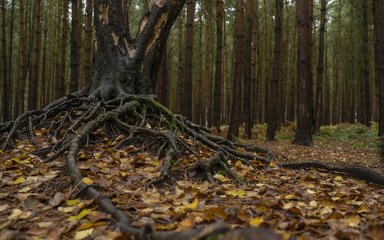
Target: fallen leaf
[(83, 234), (255, 222)]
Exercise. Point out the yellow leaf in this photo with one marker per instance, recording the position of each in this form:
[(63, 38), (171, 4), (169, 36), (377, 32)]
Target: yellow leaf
[(339, 178), (24, 190), (236, 193), (220, 177), (255, 222), (87, 181), (192, 205), (72, 202), (19, 180), (83, 234), (79, 216), (15, 215), (16, 159), (354, 221), (96, 155), (82, 156), (66, 209)]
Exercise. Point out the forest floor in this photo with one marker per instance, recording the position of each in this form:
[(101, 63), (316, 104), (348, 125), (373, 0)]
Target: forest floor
[(37, 201)]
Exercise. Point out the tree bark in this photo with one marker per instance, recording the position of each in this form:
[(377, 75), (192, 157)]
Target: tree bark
[(379, 59), (304, 84), (248, 80), (75, 49), (219, 64), (5, 100), (366, 64), (126, 66), (88, 43), (320, 67), (22, 74), (273, 103), (236, 85), (188, 73), (33, 94)]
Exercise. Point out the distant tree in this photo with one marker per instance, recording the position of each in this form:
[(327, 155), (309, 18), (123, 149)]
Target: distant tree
[(75, 46), (379, 58), (320, 67), (88, 42), (4, 71), (219, 64), (34, 86), (273, 111), (188, 61), (366, 64), (304, 84), (238, 77)]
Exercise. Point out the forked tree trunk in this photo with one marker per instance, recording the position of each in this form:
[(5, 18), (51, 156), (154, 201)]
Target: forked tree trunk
[(125, 65)]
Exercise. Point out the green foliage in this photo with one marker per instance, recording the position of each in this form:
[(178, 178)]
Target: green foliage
[(358, 135)]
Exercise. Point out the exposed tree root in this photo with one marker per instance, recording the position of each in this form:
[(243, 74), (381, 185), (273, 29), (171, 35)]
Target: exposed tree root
[(72, 120), (139, 120)]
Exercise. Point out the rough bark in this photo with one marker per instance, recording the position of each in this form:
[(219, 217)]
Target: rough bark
[(379, 59), (75, 49), (273, 102), (247, 80), (88, 43), (366, 64), (236, 85), (188, 61), (4, 71), (320, 66), (33, 94), (219, 64), (304, 84), (22, 73), (129, 66)]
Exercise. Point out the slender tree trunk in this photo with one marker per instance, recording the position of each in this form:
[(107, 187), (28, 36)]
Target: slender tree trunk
[(75, 49), (366, 63), (22, 73), (88, 43), (11, 46), (247, 80), (304, 85), (379, 59), (236, 85), (162, 79), (273, 102), (61, 91), (187, 96), (219, 64), (5, 101), (43, 94), (180, 60), (320, 66), (33, 95)]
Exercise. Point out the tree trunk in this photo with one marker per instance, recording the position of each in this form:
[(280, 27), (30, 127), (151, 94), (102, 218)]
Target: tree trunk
[(125, 66), (33, 94), (379, 59), (75, 49), (22, 74), (88, 43), (60, 85), (366, 64), (5, 101), (273, 102), (237, 80), (11, 46), (162, 80), (187, 88), (304, 83), (247, 80), (219, 64), (320, 66)]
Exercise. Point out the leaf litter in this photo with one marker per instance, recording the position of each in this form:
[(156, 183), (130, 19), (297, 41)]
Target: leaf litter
[(38, 202)]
